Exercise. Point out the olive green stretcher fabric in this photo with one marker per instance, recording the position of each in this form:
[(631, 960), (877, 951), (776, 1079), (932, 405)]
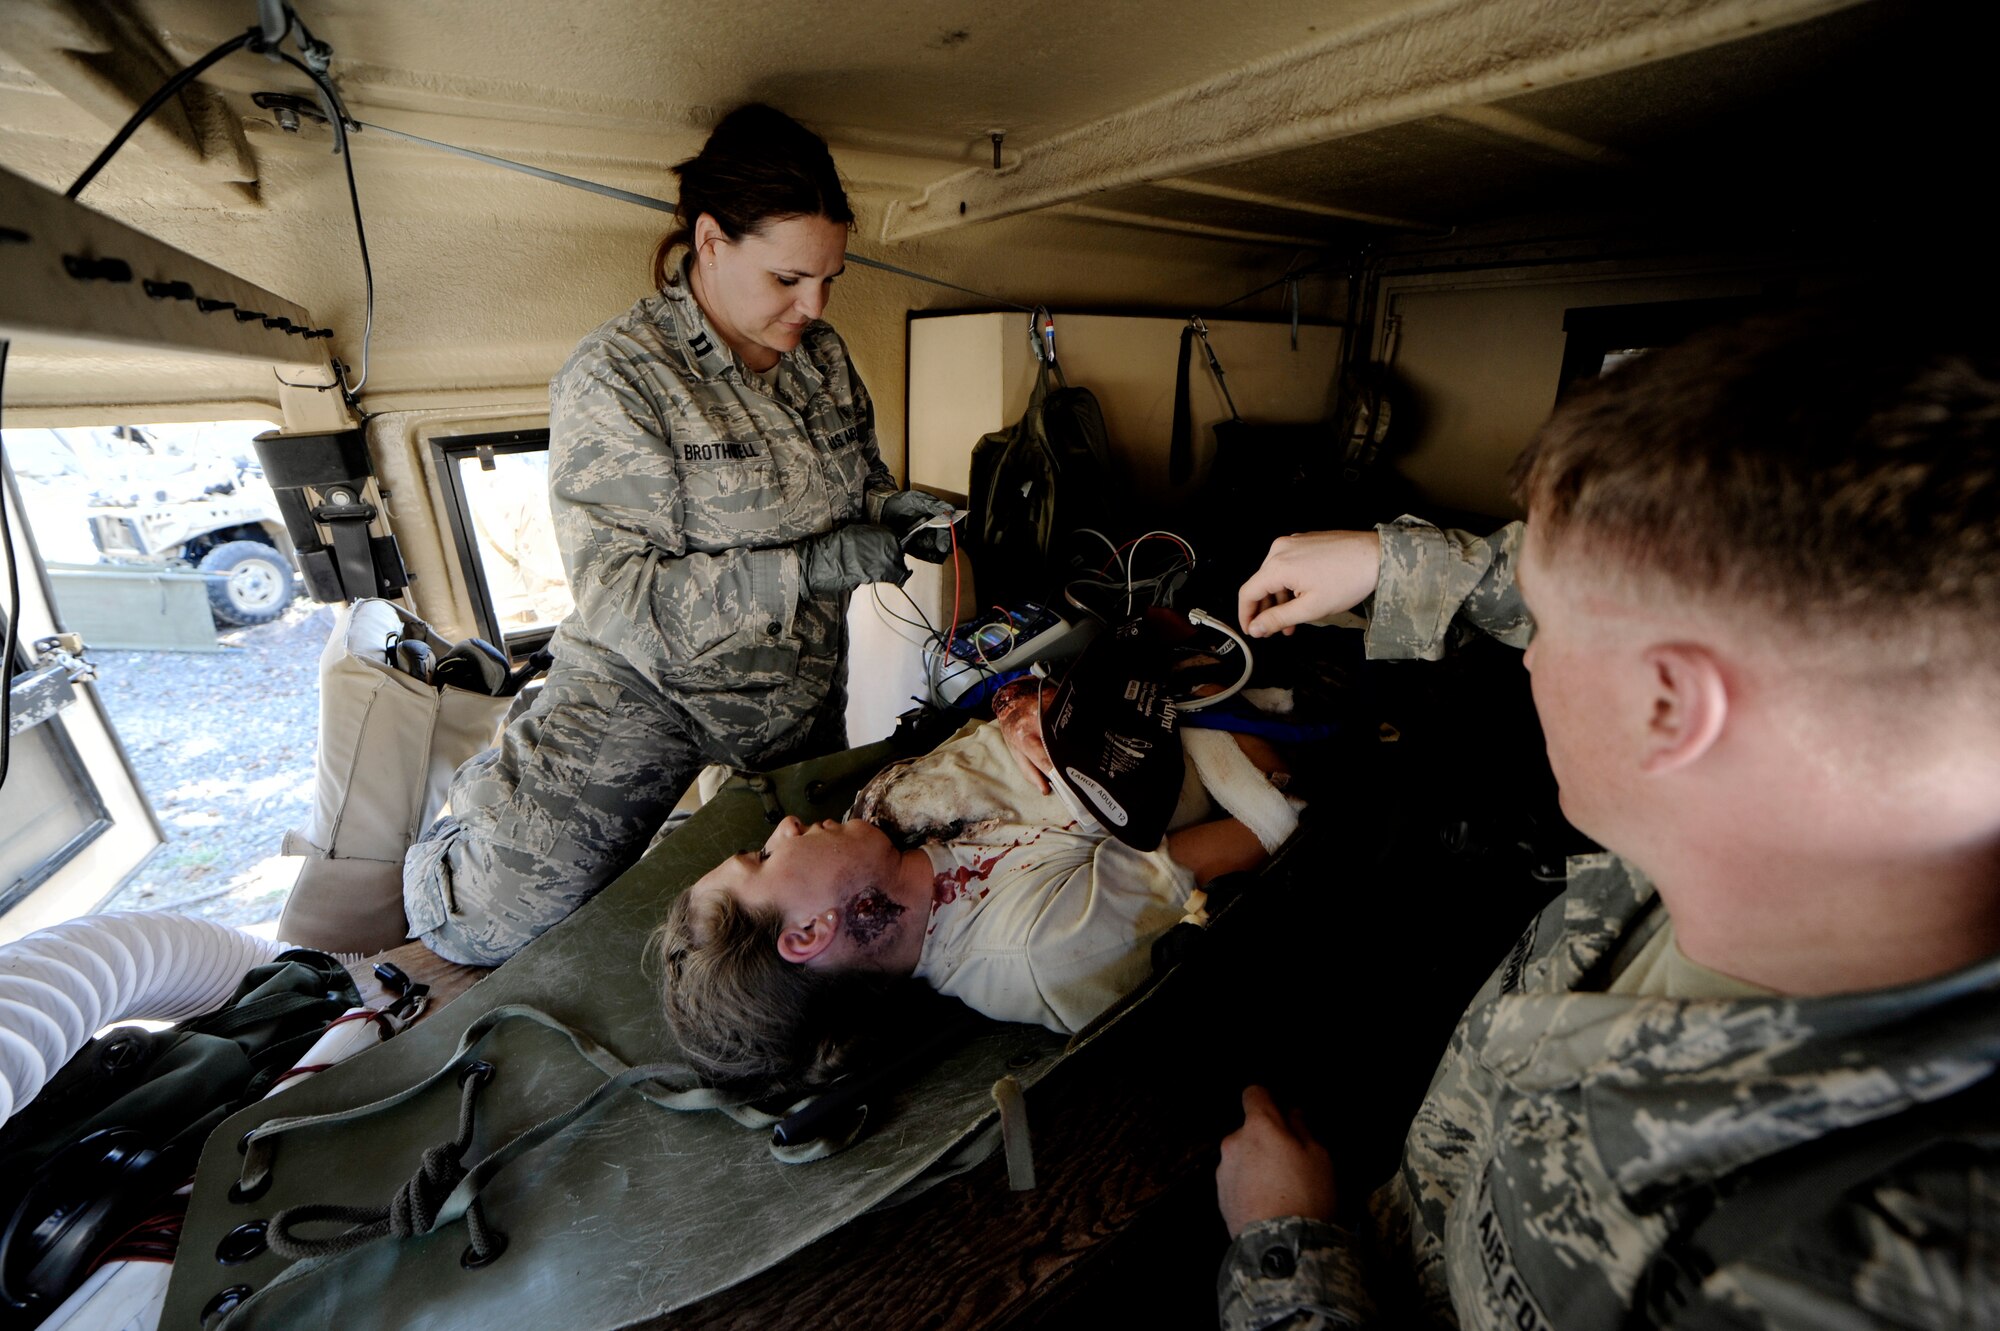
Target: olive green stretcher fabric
[(632, 1212)]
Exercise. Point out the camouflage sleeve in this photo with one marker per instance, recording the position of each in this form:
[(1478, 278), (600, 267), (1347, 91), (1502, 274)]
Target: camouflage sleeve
[(1430, 577), (615, 497), (1298, 1275), (880, 484)]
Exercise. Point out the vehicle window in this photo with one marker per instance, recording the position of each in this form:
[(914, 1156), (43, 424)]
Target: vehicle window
[(166, 552), (497, 488)]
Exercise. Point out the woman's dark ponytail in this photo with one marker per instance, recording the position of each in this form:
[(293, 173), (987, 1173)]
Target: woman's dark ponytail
[(759, 165)]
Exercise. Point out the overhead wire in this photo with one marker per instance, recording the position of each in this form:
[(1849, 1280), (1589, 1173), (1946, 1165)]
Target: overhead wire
[(1293, 272), (662, 205), (342, 122), (249, 37), (253, 39), (351, 392)]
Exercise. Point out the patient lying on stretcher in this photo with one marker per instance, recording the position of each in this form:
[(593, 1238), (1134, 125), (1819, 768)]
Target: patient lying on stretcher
[(955, 869)]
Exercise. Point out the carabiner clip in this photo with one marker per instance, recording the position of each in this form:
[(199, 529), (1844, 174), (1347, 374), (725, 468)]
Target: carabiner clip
[(1200, 326), (1042, 336)]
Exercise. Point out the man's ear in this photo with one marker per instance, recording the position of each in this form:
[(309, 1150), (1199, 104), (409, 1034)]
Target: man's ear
[(802, 942), (1688, 702)]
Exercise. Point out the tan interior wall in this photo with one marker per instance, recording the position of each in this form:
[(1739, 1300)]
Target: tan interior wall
[(1481, 355), (1049, 260), (971, 374)]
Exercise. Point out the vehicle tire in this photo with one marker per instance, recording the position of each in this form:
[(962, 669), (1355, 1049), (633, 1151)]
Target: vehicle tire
[(249, 582)]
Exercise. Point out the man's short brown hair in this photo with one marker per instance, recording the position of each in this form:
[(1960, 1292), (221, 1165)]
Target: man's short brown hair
[(1836, 468), (746, 1017)]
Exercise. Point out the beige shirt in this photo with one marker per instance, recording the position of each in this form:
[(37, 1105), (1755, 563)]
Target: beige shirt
[(1658, 968), (1046, 924)]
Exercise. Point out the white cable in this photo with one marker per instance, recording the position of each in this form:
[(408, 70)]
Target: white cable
[(1108, 542), (62, 985), (1196, 704)]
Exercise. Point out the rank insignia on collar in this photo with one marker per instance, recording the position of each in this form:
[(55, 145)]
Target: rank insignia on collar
[(699, 343)]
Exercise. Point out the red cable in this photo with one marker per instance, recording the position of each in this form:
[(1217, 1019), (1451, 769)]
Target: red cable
[(953, 530)]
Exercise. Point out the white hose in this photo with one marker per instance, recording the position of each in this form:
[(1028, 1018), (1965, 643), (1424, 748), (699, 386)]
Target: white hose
[(62, 985), (118, 1296)]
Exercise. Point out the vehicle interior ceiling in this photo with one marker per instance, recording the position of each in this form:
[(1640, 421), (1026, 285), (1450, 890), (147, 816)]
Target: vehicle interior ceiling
[(1164, 157)]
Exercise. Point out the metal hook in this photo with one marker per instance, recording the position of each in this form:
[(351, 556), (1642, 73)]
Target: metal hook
[(1200, 326), (1042, 336)]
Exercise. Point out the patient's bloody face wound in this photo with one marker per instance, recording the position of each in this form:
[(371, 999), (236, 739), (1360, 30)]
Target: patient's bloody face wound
[(870, 915)]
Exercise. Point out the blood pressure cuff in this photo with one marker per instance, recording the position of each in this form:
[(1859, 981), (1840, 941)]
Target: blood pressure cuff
[(609, 1218)]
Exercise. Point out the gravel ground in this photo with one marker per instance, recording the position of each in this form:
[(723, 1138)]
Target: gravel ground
[(223, 745)]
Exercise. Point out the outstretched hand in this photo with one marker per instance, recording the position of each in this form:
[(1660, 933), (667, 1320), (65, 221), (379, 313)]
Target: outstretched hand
[(1017, 710), (1272, 1167), (1308, 577)]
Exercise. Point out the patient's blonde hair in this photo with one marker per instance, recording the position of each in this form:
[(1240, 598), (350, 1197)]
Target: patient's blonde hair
[(745, 1016)]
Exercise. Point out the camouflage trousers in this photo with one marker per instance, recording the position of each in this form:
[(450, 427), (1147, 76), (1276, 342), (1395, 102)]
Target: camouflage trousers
[(567, 801)]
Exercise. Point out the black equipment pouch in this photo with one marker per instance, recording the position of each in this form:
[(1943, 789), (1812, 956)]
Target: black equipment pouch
[(1033, 484)]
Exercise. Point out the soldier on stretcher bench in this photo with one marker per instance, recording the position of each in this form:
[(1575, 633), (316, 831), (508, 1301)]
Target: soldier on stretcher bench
[(961, 869)]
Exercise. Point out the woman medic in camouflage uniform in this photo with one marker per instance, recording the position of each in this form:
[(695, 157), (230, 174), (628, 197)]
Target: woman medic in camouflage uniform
[(717, 492)]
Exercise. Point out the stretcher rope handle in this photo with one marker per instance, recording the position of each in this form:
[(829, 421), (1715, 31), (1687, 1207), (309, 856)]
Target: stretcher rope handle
[(260, 1144)]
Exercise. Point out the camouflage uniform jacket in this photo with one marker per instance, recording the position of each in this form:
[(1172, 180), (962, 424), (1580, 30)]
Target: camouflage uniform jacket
[(1568, 1133), (680, 488)]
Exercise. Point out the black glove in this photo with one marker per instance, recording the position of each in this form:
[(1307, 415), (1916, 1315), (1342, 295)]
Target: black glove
[(846, 557), (904, 511)]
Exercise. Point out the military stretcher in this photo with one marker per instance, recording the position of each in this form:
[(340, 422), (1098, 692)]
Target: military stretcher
[(627, 1212)]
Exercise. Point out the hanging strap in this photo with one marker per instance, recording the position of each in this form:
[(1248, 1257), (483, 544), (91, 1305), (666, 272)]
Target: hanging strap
[(1221, 380), (1042, 341), (1180, 449)]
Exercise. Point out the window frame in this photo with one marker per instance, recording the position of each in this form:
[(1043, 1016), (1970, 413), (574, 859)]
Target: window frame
[(84, 794), (1595, 331), (447, 451)]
